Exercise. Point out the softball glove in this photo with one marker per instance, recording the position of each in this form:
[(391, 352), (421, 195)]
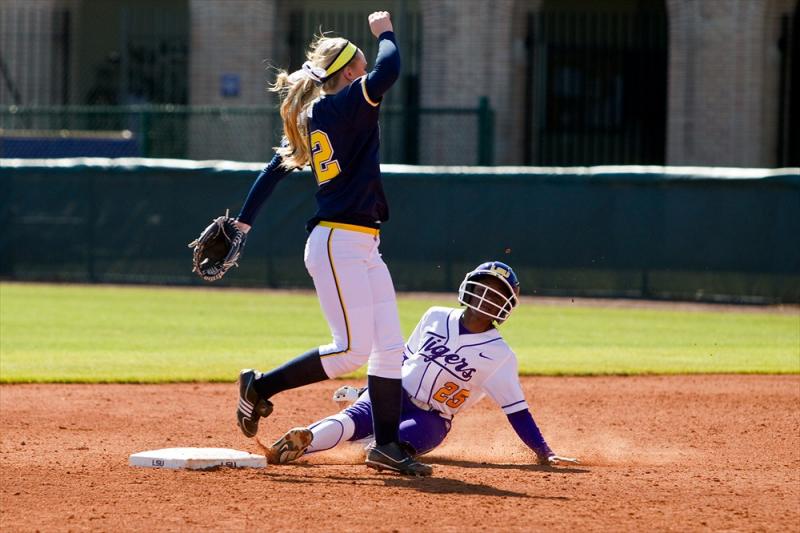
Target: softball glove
[(217, 249)]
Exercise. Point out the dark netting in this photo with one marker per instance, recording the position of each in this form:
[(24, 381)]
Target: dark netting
[(623, 234)]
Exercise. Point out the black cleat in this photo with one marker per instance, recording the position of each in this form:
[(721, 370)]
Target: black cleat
[(251, 405), (393, 457)]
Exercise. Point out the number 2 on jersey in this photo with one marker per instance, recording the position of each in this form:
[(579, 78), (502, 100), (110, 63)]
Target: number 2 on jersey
[(325, 167), (448, 395)]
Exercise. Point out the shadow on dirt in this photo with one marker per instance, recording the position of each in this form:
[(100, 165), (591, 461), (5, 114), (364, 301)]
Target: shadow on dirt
[(443, 485), (495, 466), (430, 485)]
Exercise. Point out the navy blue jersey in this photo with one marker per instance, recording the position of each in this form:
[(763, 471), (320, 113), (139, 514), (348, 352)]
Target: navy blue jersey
[(344, 138)]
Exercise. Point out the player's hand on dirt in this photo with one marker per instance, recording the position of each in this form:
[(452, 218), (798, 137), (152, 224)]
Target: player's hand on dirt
[(554, 460), (379, 22), (346, 394)]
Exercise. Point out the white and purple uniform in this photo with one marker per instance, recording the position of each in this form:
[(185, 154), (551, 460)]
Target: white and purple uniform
[(446, 369)]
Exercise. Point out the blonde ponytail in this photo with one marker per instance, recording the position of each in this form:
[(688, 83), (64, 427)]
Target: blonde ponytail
[(297, 93), (295, 98)]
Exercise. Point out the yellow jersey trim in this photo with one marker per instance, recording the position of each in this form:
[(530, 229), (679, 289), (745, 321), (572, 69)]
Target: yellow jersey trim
[(341, 300), (343, 58), (350, 227), (366, 96)]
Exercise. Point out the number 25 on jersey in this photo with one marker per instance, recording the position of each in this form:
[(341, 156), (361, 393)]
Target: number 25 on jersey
[(325, 167), (450, 395)]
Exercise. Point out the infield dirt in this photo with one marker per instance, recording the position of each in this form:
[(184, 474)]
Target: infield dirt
[(659, 453)]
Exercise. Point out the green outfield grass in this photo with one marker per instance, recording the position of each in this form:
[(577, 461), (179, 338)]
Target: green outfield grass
[(106, 333)]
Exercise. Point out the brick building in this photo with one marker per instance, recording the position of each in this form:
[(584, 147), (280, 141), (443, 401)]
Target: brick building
[(678, 82)]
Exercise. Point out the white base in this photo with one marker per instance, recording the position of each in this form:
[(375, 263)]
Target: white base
[(197, 458)]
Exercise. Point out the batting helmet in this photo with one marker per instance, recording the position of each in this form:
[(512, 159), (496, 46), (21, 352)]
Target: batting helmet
[(475, 294)]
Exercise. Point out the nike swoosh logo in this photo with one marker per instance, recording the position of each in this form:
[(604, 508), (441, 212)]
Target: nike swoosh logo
[(485, 357)]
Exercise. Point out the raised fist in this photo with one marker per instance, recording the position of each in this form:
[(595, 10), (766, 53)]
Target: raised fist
[(379, 22)]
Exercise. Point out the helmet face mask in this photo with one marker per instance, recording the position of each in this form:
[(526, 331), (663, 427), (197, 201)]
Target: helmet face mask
[(479, 296)]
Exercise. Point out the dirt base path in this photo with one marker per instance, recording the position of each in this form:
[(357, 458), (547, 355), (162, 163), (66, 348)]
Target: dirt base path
[(665, 453)]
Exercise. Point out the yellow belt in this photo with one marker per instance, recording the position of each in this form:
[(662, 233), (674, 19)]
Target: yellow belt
[(350, 227)]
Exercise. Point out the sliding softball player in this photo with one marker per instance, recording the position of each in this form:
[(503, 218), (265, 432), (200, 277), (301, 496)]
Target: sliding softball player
[(453, 358), (330, 120)]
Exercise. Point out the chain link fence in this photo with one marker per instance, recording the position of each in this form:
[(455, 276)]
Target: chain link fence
[(243, 133)]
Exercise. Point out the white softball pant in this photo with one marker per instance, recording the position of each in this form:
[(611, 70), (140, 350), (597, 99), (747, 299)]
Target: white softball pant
[(357, 296)]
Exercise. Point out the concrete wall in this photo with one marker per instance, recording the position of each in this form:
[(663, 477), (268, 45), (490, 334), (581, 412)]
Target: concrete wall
[(722, 91), (33, 59), (723, 72), (465, 56), (231, 39)]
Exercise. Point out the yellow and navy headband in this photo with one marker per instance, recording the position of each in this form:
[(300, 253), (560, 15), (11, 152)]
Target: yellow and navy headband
[(321, 75), (344, 56)]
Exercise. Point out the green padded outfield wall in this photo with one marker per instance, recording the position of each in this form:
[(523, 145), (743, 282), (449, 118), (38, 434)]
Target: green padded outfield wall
[(654, 232)]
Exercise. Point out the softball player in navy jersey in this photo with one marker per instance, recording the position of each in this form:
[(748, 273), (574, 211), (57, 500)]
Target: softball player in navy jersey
[(453, 358), (330, 111)]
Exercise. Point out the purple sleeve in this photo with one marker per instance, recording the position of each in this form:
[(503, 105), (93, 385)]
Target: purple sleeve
[(528, 431), (386, 69), (262, 188)]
